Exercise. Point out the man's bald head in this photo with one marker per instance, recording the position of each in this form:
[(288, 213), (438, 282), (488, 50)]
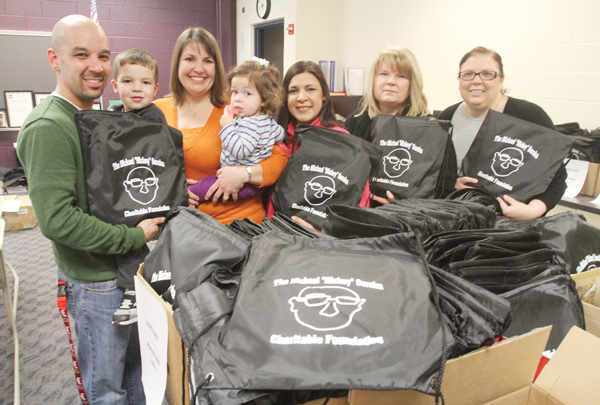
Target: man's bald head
[(80, 56), (67, 26)]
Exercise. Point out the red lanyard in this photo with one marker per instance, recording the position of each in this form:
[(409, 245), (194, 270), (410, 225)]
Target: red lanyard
[(61, 301)]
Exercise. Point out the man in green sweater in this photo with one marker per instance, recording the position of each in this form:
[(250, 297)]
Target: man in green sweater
[(84, 246)]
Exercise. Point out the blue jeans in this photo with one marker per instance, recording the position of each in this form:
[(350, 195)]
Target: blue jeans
[(108, 355)]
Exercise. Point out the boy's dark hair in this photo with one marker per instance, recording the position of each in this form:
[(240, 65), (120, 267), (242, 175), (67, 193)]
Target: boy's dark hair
[(135, 56), (266, 81)]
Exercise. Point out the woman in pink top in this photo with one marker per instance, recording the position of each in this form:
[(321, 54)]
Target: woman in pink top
[(307, 101)]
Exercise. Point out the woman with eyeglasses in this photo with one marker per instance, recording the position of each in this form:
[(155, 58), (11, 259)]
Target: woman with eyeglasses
[(481, 85)]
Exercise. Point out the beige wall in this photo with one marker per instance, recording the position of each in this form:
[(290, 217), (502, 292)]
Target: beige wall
[(550, 48)]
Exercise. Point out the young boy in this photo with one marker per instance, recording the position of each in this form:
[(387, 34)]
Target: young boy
[(135, 80)]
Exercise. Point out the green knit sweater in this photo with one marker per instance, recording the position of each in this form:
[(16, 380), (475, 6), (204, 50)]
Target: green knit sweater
[(49, 149)]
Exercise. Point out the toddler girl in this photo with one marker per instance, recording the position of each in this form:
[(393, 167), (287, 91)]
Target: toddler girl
[(249, 130)]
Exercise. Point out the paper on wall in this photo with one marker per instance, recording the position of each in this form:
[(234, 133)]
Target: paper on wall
[(353, 82)]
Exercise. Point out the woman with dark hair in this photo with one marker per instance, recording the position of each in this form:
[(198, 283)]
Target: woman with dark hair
[(306, 101), (481, 85), (195, 107)]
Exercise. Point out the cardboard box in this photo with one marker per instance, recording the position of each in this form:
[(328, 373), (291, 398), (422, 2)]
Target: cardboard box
[(588, 288), (502, 374), (478, 377), (176, 353), (591, 186), (23, 217), (572, 375)]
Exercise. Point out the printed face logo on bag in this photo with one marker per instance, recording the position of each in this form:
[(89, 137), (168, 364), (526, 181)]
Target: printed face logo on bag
[(319, 189), (507, 161), (141, 185), (325, 308), (590, 262), (397, 162), (576, 154)]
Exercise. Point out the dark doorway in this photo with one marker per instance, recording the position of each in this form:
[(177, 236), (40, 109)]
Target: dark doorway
[(268, 43)]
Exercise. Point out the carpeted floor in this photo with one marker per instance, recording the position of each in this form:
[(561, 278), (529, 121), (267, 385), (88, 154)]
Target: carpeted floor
[(46, 371)]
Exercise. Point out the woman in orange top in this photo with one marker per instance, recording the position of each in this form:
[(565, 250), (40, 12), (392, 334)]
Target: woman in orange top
[(195, 107)]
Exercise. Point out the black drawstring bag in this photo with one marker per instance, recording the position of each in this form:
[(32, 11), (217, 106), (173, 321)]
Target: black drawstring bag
[(417, 157), (450, 247), (345, 222), (133, 167), (515, 157), (586, 143), (585, 148), (249, 229), (476, 195), (494, 309), (420, 223), (191, 247), (452, 215), (330, 167), (570, 128), (550, 298), (575, 242), (313, 314)]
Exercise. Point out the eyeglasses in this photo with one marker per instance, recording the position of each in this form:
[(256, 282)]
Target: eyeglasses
[(397, 162), (467, 75), (320, 299), (319, 188), (138, 183), (507, 160)]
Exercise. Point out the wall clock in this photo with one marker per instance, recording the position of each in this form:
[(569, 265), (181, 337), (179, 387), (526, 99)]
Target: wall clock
[(263, 8)]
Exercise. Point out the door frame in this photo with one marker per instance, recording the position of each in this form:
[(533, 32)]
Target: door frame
[(258, 35)]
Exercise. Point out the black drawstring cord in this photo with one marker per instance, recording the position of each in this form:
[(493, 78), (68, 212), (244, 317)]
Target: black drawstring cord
[(183, 373), (294, 142), (210, 376)]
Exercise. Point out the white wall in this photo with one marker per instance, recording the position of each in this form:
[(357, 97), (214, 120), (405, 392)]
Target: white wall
[(316, 35), (550, 48), (247, 19)]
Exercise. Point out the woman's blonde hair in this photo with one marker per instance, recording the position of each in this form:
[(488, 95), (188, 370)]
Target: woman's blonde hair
[(403, 61), (197, 35), (266, 81)]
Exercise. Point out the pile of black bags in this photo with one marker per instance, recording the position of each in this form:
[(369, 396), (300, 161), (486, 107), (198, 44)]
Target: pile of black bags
[(380, 299), (516, 265)]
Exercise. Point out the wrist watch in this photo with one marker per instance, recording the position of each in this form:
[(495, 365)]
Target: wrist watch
[(249, 173)]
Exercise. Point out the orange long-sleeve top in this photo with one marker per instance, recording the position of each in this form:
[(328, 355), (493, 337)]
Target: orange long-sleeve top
[(201, 154)]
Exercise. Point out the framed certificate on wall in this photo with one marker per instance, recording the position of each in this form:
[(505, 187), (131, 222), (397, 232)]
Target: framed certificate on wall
[(39, 97), (3, 120), (19, 103)]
